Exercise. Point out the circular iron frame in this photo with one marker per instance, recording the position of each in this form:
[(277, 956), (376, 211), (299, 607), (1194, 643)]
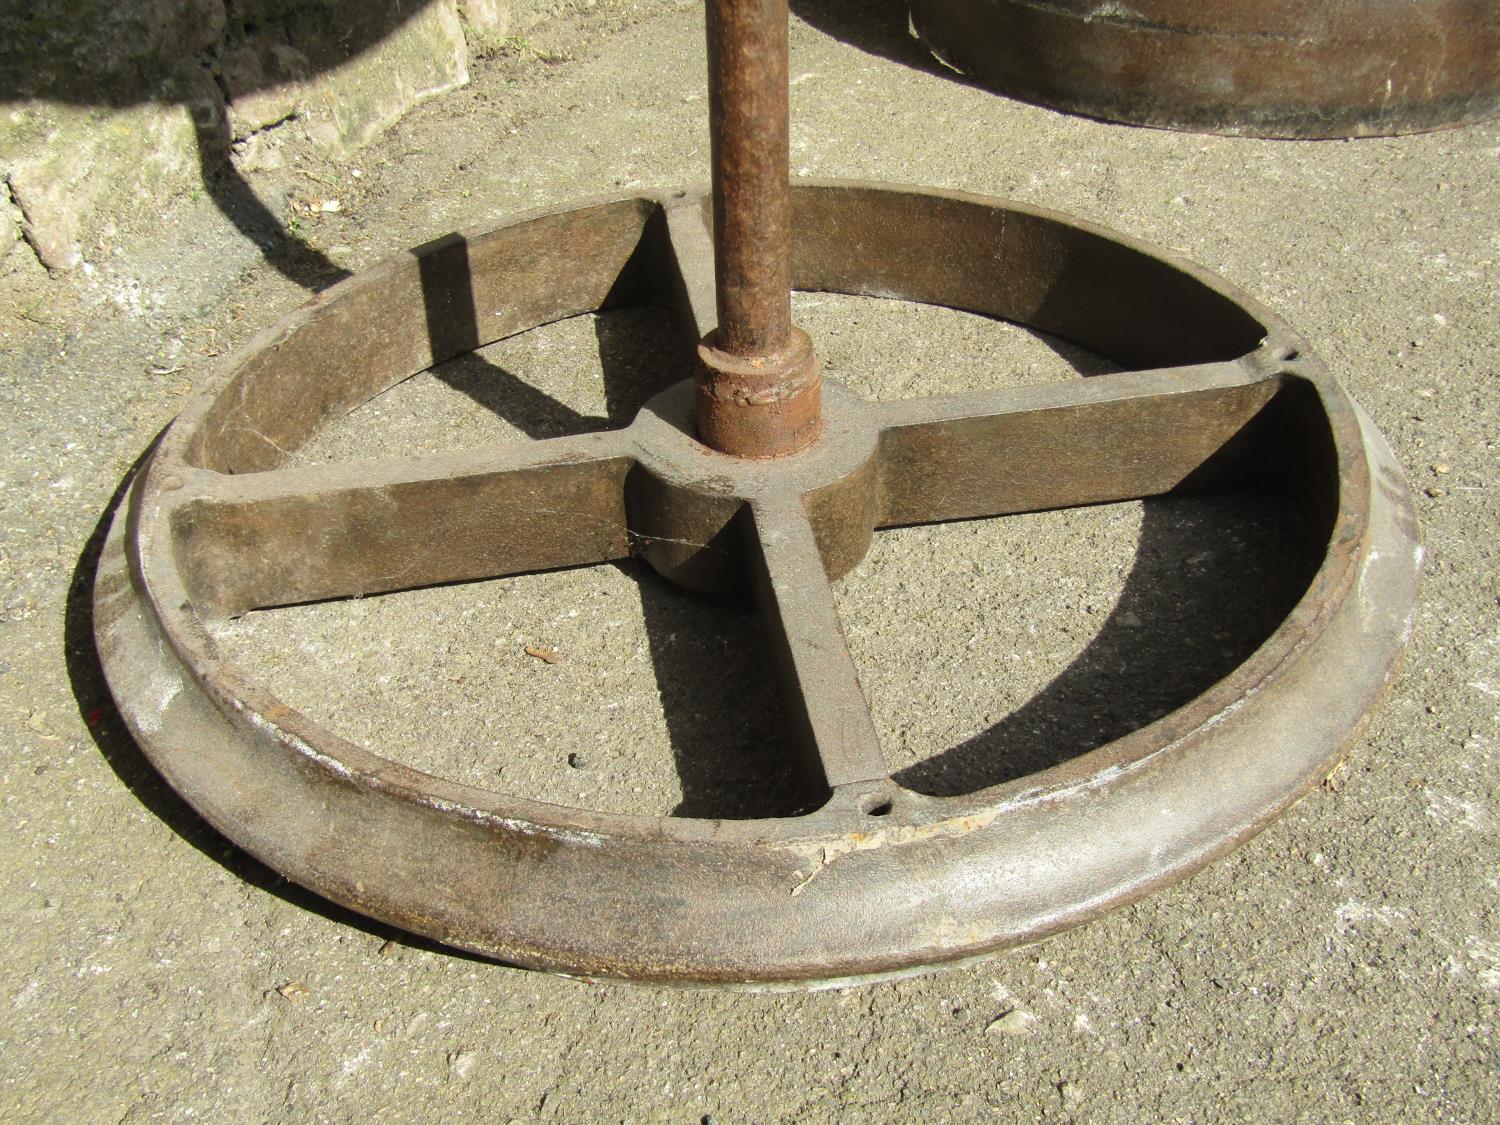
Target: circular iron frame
[(879, 879)]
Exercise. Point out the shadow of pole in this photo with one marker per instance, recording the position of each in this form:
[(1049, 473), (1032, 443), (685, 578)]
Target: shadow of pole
[(878, 27), (236, 200), (453, 331)]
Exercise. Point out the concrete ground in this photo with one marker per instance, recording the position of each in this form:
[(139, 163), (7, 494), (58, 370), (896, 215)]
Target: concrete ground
[(1343, 966)]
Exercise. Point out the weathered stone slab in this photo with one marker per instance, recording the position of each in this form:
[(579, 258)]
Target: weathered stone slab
[(96, 165), (487, 23), (350, 106), (112, 103), (345, 72), (266, 82)]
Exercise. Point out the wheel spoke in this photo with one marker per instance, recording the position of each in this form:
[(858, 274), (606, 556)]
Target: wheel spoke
[(1111, 437), (690, 254), (332, 531), (824, 703)]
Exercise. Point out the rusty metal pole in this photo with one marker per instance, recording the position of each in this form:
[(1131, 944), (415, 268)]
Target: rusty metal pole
[(758, 385)]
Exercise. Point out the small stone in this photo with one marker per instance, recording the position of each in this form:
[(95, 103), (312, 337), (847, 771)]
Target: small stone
[(389, 949), (1014, 1022), (1442, 468), (577, 761), (461, 1064), (546, 655), (295, 991), (1435, 493), (1069, 1093), (378, 1026), (486, 22)]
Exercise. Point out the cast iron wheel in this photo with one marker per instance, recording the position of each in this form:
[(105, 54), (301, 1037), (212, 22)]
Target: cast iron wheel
[(878, 879)]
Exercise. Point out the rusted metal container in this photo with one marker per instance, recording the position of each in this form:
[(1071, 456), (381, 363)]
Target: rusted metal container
[(1267, 68)]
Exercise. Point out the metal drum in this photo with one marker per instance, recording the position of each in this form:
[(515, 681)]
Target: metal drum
[(1266, 68)]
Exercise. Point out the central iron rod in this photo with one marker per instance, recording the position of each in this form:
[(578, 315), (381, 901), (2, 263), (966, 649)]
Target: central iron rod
[(759, 392), (748, 113)]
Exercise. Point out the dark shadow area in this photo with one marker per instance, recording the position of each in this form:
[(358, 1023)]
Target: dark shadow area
[(644, 357), (1216, 571), (119, 53), (719, 701), (453, 330), (879, 27), (236, 200), (201, 54), (1082, 360), (108, 730), (506, 395), (1214, 575), (712, 670), (640, 350)]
